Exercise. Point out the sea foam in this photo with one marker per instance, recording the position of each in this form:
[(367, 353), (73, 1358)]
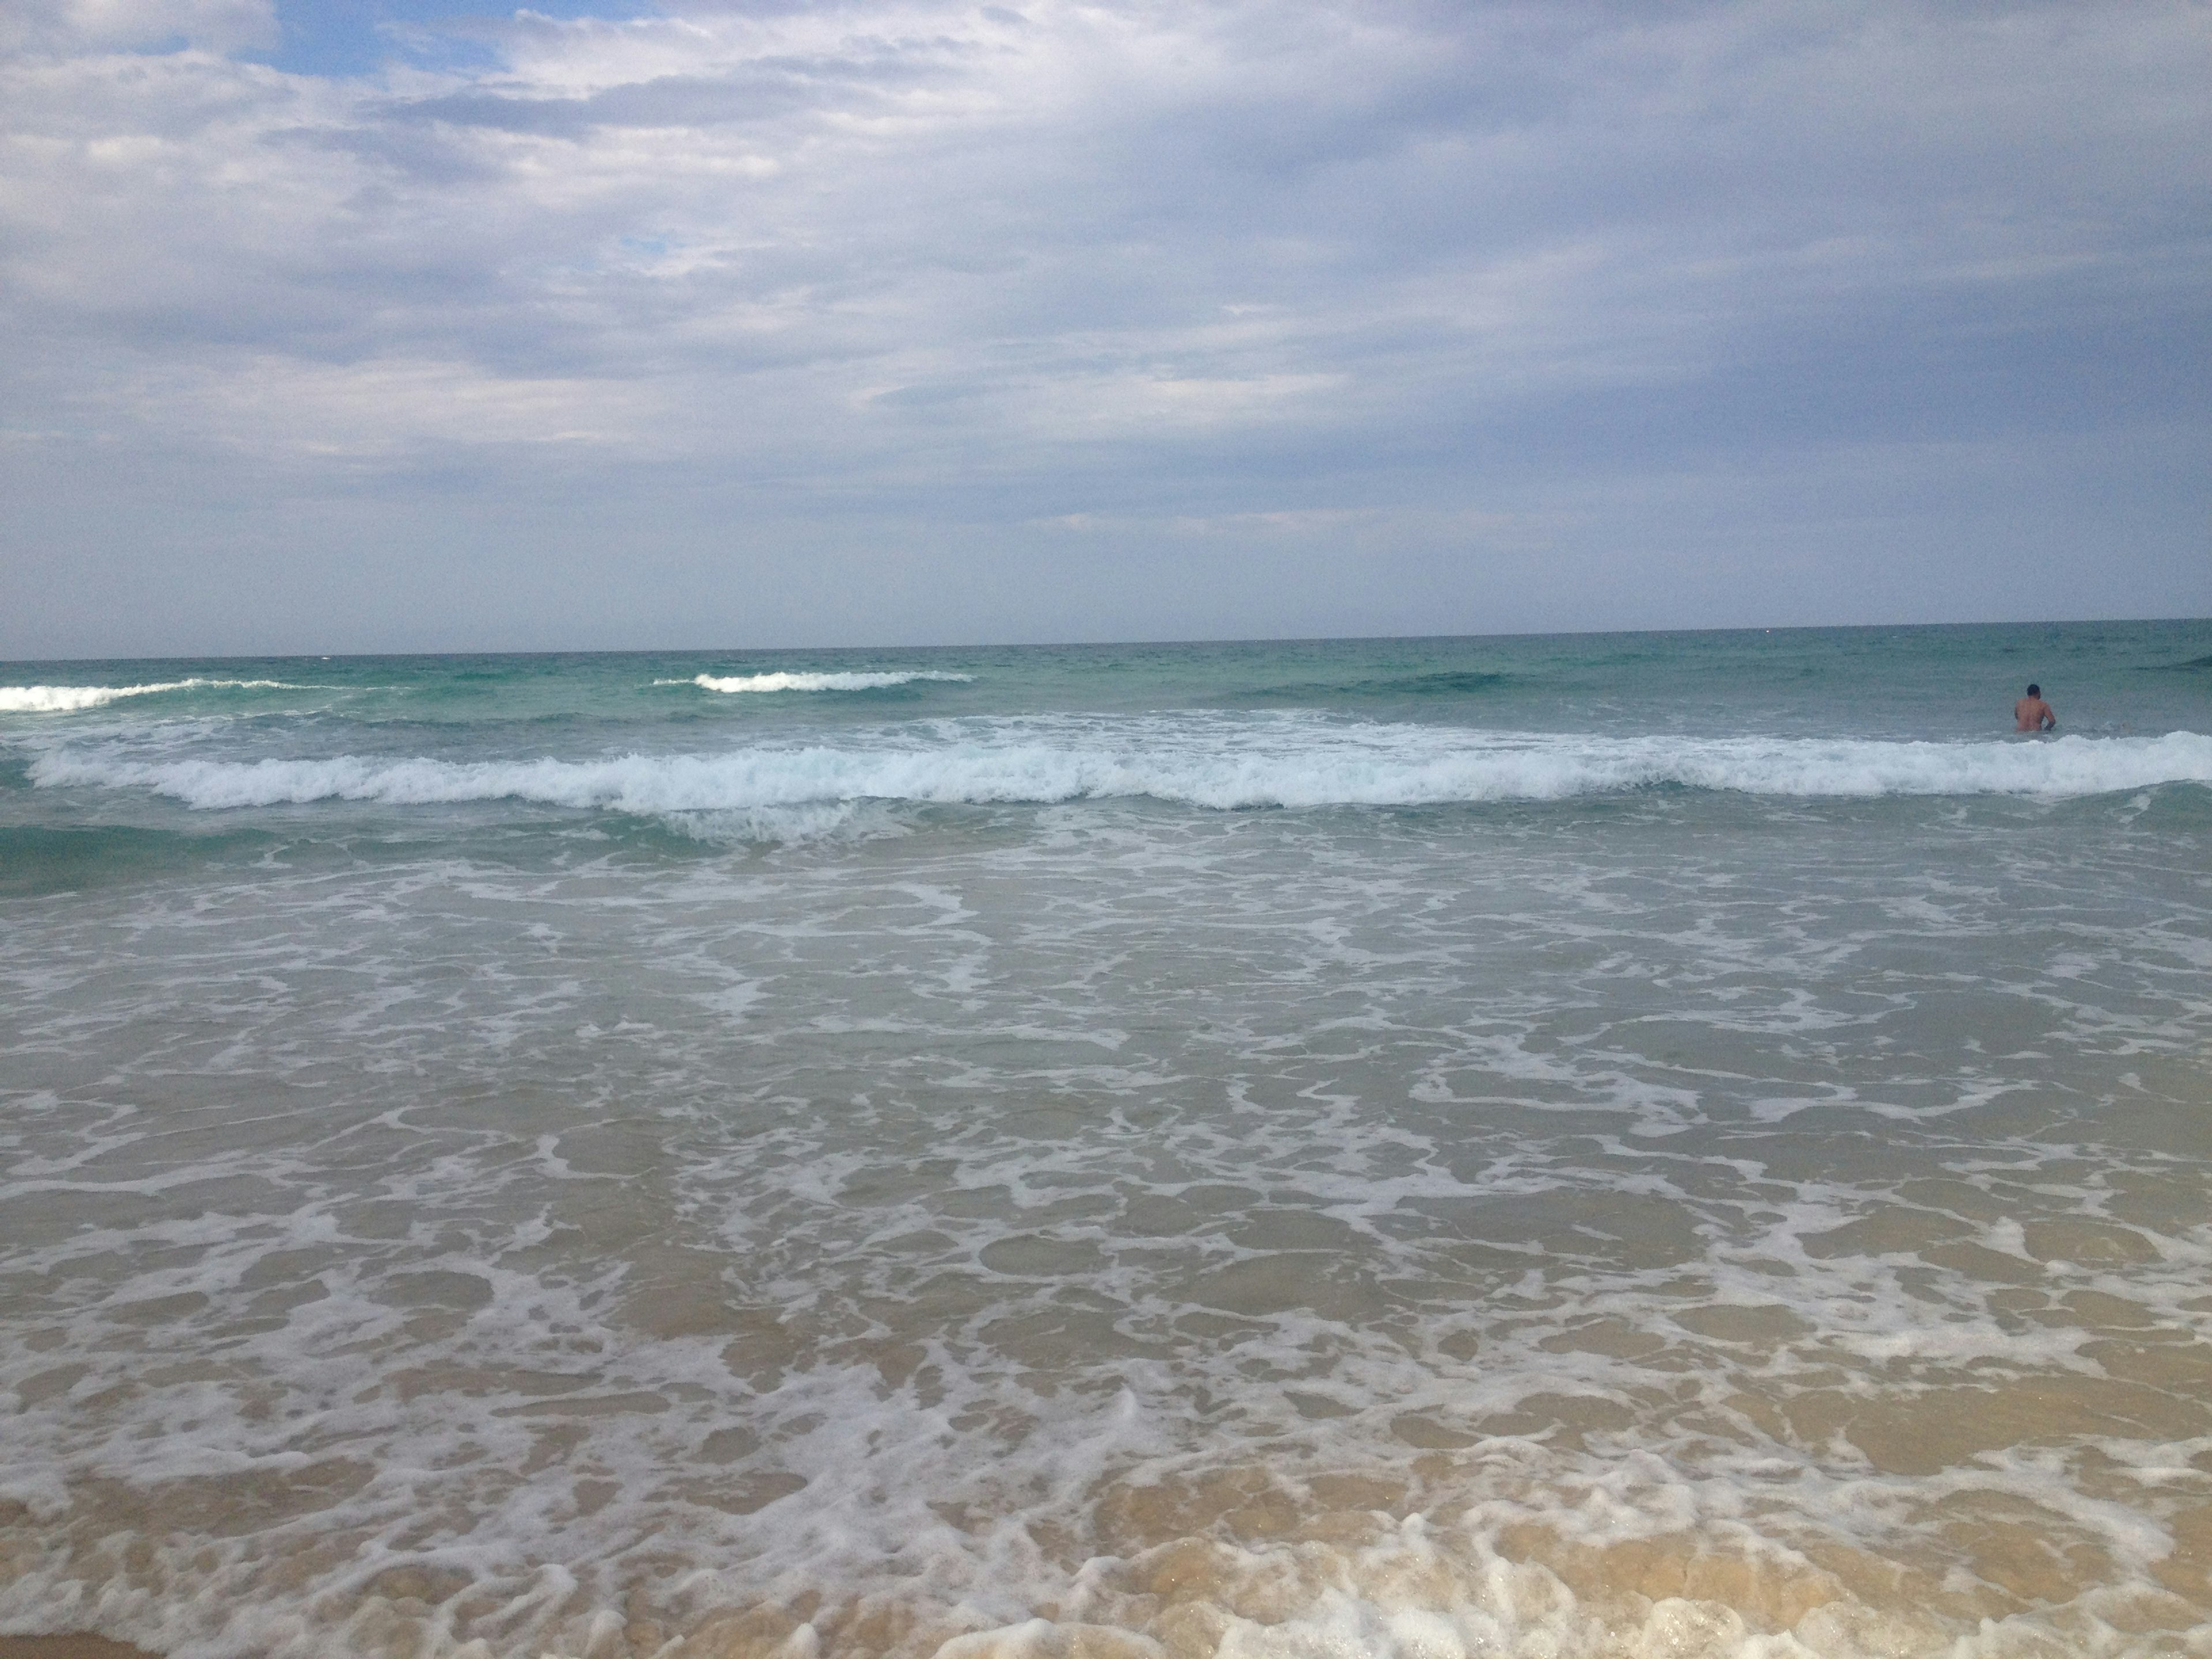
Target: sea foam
[(1292, 763), (69, 698), (803, 682)]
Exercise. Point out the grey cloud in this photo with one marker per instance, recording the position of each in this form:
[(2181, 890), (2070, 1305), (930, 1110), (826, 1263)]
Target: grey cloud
[(762, 91), (1591, 267)]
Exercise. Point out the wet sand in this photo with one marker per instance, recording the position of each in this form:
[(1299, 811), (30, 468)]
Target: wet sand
[(77, 1645)]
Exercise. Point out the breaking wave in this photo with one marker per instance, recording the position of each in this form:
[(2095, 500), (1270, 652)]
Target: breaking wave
[(873, 682), (69, 698), (1285, 764)]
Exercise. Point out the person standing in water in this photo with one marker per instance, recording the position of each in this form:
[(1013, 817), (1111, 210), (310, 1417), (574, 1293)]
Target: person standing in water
[(2031, 713)]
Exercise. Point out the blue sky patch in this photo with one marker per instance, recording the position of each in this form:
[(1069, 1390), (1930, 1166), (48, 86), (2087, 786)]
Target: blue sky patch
[(358, 37)]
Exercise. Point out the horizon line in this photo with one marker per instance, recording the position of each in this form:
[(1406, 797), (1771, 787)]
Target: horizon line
[(1098, 644)]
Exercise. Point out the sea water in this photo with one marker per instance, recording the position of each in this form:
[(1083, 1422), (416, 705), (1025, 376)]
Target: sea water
[(1634, 1145)]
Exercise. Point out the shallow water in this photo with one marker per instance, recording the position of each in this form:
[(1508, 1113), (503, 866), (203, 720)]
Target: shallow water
[(1642, 1145)]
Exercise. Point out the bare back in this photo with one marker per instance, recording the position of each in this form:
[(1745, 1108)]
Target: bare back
[(2033, 714)]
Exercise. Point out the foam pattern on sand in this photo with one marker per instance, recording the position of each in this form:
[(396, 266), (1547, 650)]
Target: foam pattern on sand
[(1116, 1232)]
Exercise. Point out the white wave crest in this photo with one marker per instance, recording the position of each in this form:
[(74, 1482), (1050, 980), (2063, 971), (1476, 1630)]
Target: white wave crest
[(1288, 765), (811, 682), (69, 698)]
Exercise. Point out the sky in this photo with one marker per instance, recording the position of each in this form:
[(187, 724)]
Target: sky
[(392, 326)]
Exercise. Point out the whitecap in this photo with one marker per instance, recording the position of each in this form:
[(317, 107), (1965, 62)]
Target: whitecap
[(804, 682), (1224, 766), (69, 699)]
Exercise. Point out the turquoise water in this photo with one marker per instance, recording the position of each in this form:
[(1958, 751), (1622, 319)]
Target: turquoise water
[(1615, 1144), (105, 746)]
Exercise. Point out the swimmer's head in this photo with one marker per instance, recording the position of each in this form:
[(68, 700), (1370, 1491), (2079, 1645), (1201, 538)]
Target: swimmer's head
[(2035, 690)]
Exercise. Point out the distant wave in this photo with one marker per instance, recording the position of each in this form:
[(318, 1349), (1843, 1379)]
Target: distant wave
[(1314, 764), (1445, 682), (67, 699), (809, 682)]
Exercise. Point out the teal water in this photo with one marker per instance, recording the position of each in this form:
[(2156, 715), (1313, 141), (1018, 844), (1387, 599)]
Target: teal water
[(1687, 1144)]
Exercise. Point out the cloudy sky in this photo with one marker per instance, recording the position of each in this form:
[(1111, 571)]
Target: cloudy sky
[(354, 325)]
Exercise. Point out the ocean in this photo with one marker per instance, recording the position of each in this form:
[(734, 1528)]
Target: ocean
[(1631, 1145)]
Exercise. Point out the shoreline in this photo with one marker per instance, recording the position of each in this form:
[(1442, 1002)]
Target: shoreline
[(76, 1645)]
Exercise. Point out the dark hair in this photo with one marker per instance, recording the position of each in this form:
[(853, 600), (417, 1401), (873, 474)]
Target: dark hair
[(2035, 690)]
